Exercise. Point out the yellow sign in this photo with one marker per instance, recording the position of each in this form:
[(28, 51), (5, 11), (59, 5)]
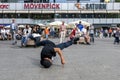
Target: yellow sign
[(107, 1)]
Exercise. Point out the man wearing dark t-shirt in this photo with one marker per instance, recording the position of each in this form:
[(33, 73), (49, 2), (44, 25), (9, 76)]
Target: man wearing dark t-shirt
[(50, 49)]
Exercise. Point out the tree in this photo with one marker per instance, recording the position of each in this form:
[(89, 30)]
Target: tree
[(117, 0)]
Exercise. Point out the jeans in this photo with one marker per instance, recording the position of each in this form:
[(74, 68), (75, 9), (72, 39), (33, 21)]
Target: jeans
[(52, 33), (64, 45), (24, 40), (91, 37), (116, 40), (13, 32), (61, 45), (46, 36)]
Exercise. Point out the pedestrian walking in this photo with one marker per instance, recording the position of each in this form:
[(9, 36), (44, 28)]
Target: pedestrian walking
[(47, 32), (13, 30), (117, 35), (91, 33), (62, 32)]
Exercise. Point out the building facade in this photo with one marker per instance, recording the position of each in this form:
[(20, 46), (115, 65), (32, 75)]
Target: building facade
[(24, 1), (99, 14)]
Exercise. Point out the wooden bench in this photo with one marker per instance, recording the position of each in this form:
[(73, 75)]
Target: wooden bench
[(1, 37), (30, 43), (81, 41), (9, 37)]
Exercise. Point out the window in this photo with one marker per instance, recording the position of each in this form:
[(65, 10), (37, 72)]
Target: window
[(1, 15), (78, 15), (4, 1), (57, 15), (113, 15)]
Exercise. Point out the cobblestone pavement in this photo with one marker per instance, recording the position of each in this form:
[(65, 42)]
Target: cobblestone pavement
[(98, 61)]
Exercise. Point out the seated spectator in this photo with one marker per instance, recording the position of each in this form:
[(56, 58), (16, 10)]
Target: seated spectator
[(35, 35), (26, 34), (19, 34), (73, 33), (85, 34), (39, 30), (8, 34), (3, 33)]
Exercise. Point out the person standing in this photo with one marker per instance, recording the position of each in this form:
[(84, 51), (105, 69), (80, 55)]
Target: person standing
[(91, 33), (62, 32), (47, 32), (110, 32), (13, 30), (52, 31), (117, 35)]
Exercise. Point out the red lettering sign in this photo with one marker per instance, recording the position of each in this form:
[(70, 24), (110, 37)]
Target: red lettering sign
[(4, 6), (41, 6)]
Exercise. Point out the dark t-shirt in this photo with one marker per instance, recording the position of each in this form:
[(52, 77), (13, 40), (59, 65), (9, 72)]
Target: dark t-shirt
[(47, 52)]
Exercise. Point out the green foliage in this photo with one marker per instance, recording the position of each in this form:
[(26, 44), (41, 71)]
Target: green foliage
[(117, 0)]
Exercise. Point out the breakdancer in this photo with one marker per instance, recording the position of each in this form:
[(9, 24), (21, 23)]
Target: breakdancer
[(50, 49)]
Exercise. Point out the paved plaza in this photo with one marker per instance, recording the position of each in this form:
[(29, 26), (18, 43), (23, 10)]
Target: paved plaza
[(98, 61)]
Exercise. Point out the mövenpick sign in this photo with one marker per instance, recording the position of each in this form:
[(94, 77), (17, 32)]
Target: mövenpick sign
[(41, 6), (4, 6), (32, 6)]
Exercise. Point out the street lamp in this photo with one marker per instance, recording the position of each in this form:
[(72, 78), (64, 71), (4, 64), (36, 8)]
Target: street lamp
[(78, 1), (54, 1)]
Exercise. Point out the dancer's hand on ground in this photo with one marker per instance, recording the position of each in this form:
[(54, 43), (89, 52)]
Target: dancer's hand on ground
[(63, 62)]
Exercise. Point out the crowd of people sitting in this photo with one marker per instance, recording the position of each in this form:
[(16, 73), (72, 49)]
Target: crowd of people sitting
[(22, 33), (35, 32), (5, 33)]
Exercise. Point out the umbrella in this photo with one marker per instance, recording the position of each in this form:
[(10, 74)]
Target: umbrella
[(8, 26), (40, 24), (21, 26), (56, 23)]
